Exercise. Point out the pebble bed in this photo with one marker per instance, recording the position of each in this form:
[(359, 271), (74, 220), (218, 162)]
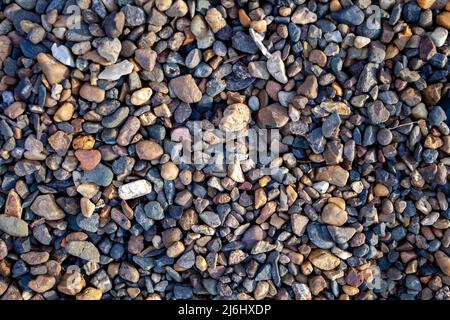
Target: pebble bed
[(96, 95)]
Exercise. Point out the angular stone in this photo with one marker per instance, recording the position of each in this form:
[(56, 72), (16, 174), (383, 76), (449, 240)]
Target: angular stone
[(235, 118), (54, 71), (333, 174), (185, 89), (45, 206), (84, 250)]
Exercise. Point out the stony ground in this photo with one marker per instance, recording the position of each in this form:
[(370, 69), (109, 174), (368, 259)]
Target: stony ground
[(96, 95)]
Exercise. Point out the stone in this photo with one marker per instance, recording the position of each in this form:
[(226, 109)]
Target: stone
[(235, 118), (113, 24), (146, 58), (92, 93), (45, 206), (318, 234), (351, 15), (303, 16), (15, 109), (299, 223), (101, 175), (323, 259), (109, 49), (5, 48), (276, 67), (42, 283), (116, 71), (54, 71), (141, 96), (13, 226), (333, 215), (84, 250), (13, 205), (128, 131), (90, 293), (71, 283), (169, 171), (273, 116), (185, 89), (215, 20), (64, 113), (149, 150), (309, 87), (443, 262), (135, 189), (63, 55), (89, 159), (333, 174), (154, 211)]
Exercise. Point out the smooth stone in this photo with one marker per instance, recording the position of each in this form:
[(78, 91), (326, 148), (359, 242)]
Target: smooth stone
[(116, 71), (135, 189), (13, 226), (84, 250), (45, 206)]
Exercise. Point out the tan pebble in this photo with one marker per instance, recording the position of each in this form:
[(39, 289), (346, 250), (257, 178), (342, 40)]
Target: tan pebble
[(215, 20), (15, 109), (244, 19), (323, 259), (64, 113), (141, 96), (425, 4), (54, 71), (334, 215), (87, 207), (42, 283), (92, 93), (90, 294), (443, 19), (149, 150), (175, 249), (259, 26), (169, 171), (13, 205), (380, 190)]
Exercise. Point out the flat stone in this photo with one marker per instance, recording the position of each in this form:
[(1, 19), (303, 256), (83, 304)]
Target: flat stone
[(332, 174), (273, 116), (135, 189), (186, 89), (45, 206), (13, 226), (54, 71), (116, 71), (89, 159), (323, 259), (303, 16), (101, 175), (149, 150), (84, 250), (63, 55)]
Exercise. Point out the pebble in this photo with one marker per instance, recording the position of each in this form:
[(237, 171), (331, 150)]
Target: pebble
[(116, 71), (54, 71), (45, 206), (135, 189), (102, 200), (84, 250), (149, 150), (13, 226), (89, 159), (235, 118), (185, 89)]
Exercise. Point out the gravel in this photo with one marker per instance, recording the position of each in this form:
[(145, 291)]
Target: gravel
[(99, 196)]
